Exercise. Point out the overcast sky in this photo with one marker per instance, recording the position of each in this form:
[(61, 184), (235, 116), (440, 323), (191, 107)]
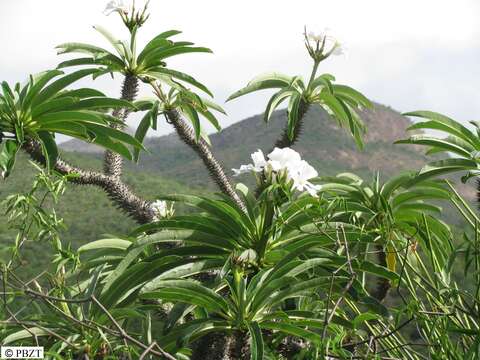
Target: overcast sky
[(408, 54)]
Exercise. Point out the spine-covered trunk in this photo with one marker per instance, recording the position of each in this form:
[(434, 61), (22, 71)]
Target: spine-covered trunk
[(238, 347), (383, 285), (120, 194), (284, 140), (211, 346), (216, 171), (113, 162)]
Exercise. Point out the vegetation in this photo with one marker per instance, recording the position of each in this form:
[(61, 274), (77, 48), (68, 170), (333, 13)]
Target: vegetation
[(290, 265)]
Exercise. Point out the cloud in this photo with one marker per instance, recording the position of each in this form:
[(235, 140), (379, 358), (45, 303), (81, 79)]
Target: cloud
[(410, 54)]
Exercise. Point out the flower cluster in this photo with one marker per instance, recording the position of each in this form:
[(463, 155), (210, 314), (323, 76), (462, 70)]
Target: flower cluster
[(322, 45), (116, 6), (162, 210), (132, 17), (285, 161)]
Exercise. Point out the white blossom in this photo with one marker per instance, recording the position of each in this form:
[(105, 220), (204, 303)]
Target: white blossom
[(318, 37), (329, 41), (300, 173), (161, 209), (258, 165), (284, 160), (115, 6), (259, 161)]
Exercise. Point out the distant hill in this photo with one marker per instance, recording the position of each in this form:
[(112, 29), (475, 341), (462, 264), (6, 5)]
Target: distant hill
[(330, 149), (170, 166)]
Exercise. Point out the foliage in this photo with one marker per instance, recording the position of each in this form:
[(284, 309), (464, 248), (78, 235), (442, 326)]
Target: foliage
[(42, 108), (269, 273), (149, 65), (340, 101)]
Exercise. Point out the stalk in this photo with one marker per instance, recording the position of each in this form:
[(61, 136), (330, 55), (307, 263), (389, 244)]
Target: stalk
[(284, 141), (113, 162), (215, 169), (119, 193)]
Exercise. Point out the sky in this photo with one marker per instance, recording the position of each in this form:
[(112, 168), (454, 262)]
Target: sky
[(409, 54)]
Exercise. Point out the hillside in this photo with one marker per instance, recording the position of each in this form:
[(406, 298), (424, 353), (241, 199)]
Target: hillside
[(322, 143), (170, 166)]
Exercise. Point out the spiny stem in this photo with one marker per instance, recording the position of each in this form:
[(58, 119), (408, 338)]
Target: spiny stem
[(113, 162), (216, 171), (120, 194), (284, 140)]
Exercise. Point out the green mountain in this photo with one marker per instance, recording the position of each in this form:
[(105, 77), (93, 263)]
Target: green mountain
[(330, 149), (170, 166)]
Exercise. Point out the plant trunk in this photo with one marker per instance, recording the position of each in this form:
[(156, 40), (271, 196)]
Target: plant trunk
[(211, 346), (239, 346), (284, 140), (119, 193), (383, 285), (113, 162), (216, 171)]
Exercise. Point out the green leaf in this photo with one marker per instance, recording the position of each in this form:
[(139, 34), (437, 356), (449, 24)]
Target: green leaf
[(192, 115), (190, 292), (444, 123), (353, 95), (157, 42), (56, 104), (8, 157), (25, 334), (449, 144), (289, 329), (115, 42), (364, 317), (81, 93), (101, 103), (275, 101), (76, 62), (443, 167), (50, 149), (119, 244), (181, 76), (262, 82), (257, 341), (141, 132), (38, 84), (156, 57), (60, 84), (292, 114)]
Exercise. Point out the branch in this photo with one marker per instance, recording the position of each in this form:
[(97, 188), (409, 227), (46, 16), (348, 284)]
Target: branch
[(383, 285), (113, 162), (216, 171), (284, 140), (119, 193)]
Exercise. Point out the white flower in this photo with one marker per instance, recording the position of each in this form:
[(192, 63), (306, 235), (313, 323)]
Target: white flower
[(161, 209), (115, 6), (326, 38), (259, 161), (315, 37), (258, 165), (300, 173), (283, 158), (320, 36), (243, 169)]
